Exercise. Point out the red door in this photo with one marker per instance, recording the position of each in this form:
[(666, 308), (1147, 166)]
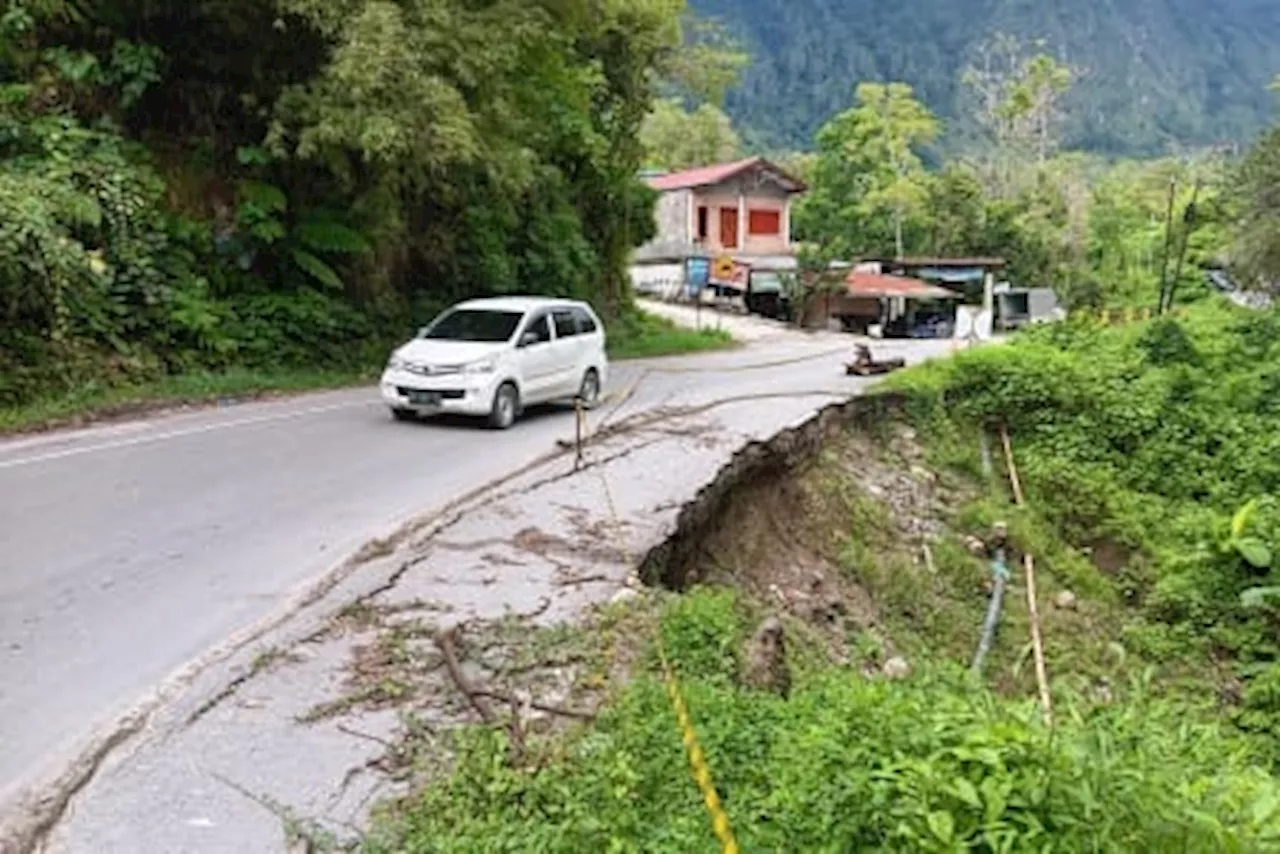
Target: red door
[(729, 228)]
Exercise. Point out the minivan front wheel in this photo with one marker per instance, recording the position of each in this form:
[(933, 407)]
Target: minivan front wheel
[(506, 405)]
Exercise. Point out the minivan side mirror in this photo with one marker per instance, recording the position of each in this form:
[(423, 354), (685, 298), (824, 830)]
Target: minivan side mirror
[(529, 339)]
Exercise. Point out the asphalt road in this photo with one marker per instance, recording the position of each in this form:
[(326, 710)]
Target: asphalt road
[(127, 551)]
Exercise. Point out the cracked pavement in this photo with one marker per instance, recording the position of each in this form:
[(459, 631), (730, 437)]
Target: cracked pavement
[(265, 720)]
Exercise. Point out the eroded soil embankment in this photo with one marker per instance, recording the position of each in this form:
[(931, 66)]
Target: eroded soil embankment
[(674, 563)]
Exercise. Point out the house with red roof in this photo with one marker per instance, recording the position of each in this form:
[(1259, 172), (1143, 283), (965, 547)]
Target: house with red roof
[(739, 210)]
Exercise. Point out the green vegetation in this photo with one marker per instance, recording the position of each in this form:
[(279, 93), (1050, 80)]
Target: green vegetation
[(1156, 77), (675, 138), (1099, 233), (1154, 448), (845, 763), (641, 335), (95, 401), (288, 186)]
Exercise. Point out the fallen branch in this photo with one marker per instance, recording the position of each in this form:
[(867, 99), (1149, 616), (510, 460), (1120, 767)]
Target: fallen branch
[(1029, 569), (544, 605), (502, 697), (518, 744), (355, 733), (582, 579), (445, 642)]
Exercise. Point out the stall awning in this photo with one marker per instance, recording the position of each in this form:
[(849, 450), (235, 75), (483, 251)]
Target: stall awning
[(879, 286)]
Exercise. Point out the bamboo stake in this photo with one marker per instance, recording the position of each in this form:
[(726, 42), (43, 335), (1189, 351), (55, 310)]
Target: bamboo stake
[(1014, 481), (1029, 568)]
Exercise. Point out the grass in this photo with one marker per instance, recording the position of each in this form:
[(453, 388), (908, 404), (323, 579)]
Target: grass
[(97, 402), (644, 336)]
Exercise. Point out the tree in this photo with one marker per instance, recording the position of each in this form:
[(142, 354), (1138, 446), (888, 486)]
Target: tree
[(1257, 185), (709, 63), (678, 139), (867, 169), (218, 182), (895, 124), (1019, 98)]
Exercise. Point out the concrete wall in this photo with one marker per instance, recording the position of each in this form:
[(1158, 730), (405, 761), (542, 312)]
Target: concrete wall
[(744, 197), (672, 212), (665, 281)]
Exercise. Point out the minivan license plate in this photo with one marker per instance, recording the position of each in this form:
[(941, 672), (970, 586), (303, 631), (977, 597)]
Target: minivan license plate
[(425, 398)]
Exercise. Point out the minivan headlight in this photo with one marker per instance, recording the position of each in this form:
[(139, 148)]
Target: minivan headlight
[(484, 366), (395, 363)]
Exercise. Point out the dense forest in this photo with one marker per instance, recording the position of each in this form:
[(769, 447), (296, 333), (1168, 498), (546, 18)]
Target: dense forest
[(198, 185), (1154, 75)]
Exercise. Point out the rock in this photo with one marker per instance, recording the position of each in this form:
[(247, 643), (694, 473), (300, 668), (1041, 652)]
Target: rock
[(1065, 601), (896, 668), (1101, 691), (765, 663), (923, 475), (625, 594)]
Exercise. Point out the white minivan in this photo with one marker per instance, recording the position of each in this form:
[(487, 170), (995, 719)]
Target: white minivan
[(493, 357)]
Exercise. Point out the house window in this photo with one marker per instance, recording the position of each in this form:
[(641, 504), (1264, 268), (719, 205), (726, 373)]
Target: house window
[(765, 223), (729, 228), (702, 223)]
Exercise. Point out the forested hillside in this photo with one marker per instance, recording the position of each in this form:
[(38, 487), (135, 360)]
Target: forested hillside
[(191, 186), (1152, 74)]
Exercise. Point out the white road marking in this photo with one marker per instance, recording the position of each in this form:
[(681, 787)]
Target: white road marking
[(176, 434)]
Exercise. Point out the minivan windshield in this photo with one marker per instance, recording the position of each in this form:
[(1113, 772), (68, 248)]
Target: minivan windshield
[(472, 324)]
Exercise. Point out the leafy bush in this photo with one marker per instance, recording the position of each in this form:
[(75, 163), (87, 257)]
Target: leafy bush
[(1162, 438), (850, 764)]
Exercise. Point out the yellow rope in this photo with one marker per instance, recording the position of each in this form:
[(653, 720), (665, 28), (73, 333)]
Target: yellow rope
[(697, 759)]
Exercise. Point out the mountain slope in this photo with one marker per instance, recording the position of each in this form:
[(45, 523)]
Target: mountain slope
[(1156, 74)]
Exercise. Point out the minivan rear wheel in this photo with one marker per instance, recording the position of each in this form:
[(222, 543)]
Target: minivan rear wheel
[(506, 405)]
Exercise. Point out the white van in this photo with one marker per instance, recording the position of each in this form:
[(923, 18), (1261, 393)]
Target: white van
[(493, 357)]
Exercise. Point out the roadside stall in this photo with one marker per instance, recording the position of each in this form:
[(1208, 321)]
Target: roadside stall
[(894, 306)]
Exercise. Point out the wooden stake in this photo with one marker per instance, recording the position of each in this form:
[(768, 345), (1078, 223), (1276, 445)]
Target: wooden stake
[(1037, 643), (1029, 569), (1014, 481), (580, 420)]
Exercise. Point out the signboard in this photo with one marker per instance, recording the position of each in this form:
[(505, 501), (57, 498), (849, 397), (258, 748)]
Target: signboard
[(697, 275), (724, 268), (972, 323)]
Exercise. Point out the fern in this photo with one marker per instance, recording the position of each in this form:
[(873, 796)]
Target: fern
[(1253, 549), (316, 268), (263, 196), (320, 234)]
